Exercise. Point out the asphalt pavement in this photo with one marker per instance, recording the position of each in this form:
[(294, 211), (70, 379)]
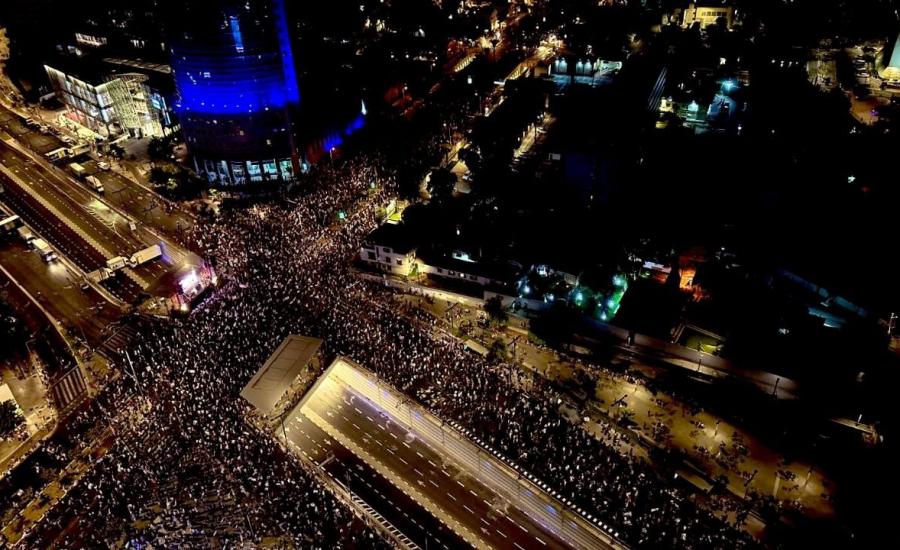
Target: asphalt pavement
[(139, 202), (84, 311), (449, 477), (87, 227), (368, 485)]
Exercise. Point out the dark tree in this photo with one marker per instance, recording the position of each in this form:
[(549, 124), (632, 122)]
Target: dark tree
[(10, 418), (494, 308)]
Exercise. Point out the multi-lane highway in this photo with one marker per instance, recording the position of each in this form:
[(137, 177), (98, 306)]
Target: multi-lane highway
[(80, 234), (139, 202), (75, 219), (447, 476), (368, 485), (60, 292)]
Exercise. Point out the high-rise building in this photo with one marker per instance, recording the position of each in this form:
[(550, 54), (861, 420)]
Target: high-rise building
[(237, 89)]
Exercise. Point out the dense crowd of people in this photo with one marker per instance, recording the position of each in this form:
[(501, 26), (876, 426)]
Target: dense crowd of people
[(176, 464), (192, 470)]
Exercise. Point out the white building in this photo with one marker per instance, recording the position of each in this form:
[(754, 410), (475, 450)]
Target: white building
[(707, 15), (389, 249)]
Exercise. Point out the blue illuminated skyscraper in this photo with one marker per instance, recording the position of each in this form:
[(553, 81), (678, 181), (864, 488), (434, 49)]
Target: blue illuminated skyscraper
[(237, 88)]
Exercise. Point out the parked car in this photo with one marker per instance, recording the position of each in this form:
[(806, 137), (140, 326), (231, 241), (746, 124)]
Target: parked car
[(103, 165)]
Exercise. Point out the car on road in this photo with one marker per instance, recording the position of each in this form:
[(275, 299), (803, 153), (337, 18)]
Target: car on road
[(94, 183), (42, 248), (26, 234), (103, 165), (78, 169)]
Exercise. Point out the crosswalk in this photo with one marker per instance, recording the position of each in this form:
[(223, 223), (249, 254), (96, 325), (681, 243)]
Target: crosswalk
[(118, 342), (69, 389)]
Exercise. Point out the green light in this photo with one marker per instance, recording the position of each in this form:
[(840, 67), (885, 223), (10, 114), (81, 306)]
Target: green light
[(342, 215)]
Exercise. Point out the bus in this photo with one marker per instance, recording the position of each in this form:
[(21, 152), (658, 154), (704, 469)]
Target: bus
[(58, 154)]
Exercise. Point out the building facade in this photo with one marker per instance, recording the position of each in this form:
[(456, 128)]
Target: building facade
[(237, 89), (389, 249), (111, 104), (707, 15)]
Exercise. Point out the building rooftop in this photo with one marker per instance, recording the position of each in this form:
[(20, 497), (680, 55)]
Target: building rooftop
[(393, 236), (269, 385), (95, 70)]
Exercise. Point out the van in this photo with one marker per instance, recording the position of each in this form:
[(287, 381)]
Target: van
[(26, 234), (77, 169), (94, 183), (43, 248)]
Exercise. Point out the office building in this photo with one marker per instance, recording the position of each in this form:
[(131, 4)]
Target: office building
[(112, 97), (237, 89)]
